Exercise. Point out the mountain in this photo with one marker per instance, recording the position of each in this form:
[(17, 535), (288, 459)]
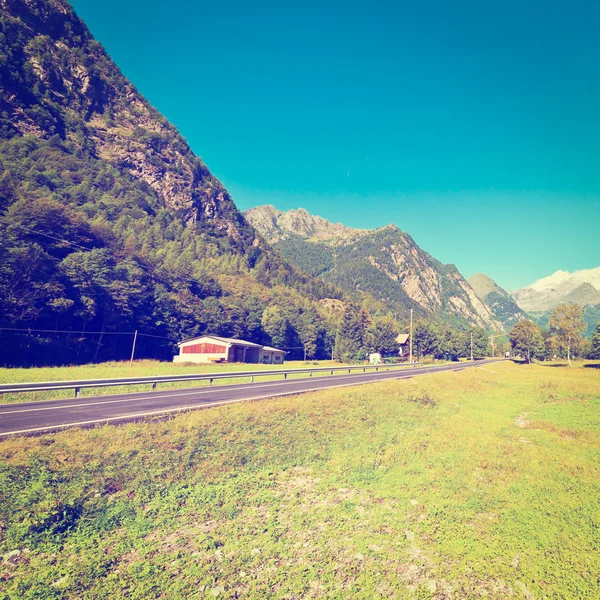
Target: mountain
[(581, 287), (384, 263), (498, 301), (276, 225), (109, 223)]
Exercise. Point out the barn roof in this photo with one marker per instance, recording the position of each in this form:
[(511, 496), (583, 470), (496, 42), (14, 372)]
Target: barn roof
[(401, 338), (224, 340)]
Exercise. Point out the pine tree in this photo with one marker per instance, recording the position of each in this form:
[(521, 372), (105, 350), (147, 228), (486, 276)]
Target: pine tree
[(349, 339)]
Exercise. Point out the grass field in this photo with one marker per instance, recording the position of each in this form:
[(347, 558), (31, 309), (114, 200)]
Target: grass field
[(477, 484), (141, 368)]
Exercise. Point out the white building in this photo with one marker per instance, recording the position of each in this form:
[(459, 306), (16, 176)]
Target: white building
[(213, 349), (403, 343)]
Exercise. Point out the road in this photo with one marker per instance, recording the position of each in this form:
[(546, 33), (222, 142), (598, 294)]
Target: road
[(52, 415)]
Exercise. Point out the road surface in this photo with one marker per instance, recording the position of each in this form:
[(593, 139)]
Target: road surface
[(52, 415)]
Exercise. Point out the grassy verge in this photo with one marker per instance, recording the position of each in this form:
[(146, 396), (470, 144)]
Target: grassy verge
[(481, 483), (140, 368)]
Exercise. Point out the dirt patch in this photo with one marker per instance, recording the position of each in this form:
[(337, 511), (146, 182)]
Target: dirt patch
[(522, 421)]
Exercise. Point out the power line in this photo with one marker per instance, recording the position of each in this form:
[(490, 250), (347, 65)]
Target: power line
[(75, 332), (178, 277), (52, 237)]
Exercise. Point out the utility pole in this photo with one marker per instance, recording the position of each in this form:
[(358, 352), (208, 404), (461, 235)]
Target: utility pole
[(411, 337), (133, 348), (471, 346)]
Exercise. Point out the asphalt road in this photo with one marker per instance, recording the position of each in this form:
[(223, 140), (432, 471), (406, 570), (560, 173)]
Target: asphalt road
[(52, 415)]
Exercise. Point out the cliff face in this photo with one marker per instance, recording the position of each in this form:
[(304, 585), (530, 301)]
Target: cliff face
[(386, 263), (55, 79)]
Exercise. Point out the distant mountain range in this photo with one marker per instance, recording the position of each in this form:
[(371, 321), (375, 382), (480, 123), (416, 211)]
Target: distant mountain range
[(384, 263), (581, 287)]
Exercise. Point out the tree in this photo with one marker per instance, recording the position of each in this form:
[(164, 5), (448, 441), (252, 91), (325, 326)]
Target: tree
[(276, 326), (595, 349), (349, 339), (364, 320), (480, 343), (424, 339), (526, 339), (380, 336), (567, 325), (309, 333)]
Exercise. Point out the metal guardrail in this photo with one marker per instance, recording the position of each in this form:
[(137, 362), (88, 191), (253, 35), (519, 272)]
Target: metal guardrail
[(78, 385), (11, 388)]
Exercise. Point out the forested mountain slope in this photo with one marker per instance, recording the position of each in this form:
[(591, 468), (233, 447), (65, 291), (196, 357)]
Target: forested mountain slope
[(108, 221), (385, 263), (499, 301)]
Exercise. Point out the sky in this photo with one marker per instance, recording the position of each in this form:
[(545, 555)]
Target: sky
[(473, 126)]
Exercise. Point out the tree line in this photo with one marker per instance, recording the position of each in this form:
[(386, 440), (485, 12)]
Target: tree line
[(563, 338)]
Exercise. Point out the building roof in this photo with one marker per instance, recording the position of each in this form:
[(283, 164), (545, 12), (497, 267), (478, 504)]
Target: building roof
[(224, 340), (233, 341), (402, 338), (271, 349)]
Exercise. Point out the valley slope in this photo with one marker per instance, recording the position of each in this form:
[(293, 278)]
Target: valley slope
[(109, 223)]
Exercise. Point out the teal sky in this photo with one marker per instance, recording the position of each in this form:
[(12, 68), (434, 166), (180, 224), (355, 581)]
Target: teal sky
[(474, 126)]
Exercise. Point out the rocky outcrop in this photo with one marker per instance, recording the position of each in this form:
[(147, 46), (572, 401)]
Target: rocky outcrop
[(276, 225)]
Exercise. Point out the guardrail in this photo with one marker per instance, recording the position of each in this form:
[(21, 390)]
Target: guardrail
[(11, 388)]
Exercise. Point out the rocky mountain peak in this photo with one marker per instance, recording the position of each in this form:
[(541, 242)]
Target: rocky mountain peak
[(276, 225)]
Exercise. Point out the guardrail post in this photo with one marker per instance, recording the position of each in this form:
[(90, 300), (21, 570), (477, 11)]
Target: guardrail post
[(77, 392), (210, 381), (252, 379), (285, 375), (154, 385)]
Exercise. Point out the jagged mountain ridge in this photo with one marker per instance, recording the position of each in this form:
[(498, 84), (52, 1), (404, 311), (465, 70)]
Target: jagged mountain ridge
[(581, 287), (276, 225), (498, 300), (386, 263)]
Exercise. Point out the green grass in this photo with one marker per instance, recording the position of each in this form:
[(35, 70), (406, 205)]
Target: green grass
[(477, 484), (141, 368)]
